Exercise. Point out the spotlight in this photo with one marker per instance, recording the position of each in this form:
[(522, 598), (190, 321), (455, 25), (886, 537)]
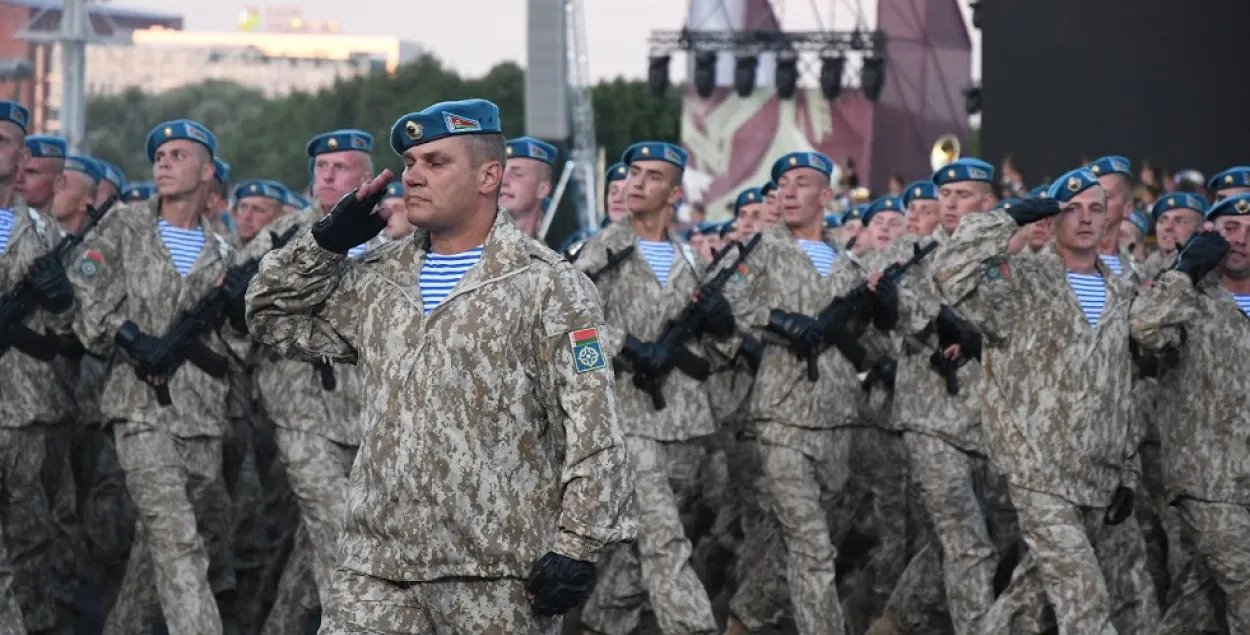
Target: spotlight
[(831, 76), (705, 73), (972, 99), (872, 76), (744, 75), (657, 75), (787, 77)]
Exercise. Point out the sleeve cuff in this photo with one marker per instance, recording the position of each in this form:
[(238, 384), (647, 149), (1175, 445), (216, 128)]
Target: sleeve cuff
[(577, 547)]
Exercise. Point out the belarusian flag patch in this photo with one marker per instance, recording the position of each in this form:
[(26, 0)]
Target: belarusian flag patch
[(587, 352)]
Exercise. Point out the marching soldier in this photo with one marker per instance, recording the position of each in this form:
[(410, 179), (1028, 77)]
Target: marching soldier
[(36, 181), (217, 205), (1178, 216), (614, 193), (1115, 177), (111, 183), (1230, 182), (527, 182)]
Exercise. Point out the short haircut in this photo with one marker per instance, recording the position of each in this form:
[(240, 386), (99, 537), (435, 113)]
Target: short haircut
[(486, 147), (220, 189)]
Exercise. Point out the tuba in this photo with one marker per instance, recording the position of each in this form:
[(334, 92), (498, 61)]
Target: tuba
[(945, 151)]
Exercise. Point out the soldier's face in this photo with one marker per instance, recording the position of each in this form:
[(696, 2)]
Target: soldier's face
[(253, 213), (1175, 227), (1082, 221), (1232, 191), (442, 185), (922, 217), (526, 182), (772, 212), (885, 228), (698, 243), (37, 179), (1119, 198), (1130, 236), (651, 186), (180, 166), (13, 151), (1236, 230), (74, 191), (750, 218), (616, 200), (803, 193), (957, 200), (338, 173)]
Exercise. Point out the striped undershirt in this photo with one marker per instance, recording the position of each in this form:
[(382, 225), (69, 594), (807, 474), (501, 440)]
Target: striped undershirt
[(821, 255), (358, 250), (1091, 292), (6, 228), (659, 255), (184, 245), (441, 273), (1113, 263), (1243, 302)]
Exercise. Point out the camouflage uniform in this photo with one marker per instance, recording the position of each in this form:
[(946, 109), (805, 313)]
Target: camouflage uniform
[(1206, 446), (31, 403), (539, 460), (171, 456), (1055, 399)]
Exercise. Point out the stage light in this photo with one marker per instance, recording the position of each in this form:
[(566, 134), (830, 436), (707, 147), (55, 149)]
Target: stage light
[(705, 73), (657, 75), (972, 99), (872, 77), (787, 77), (744, 75), (831, 76)]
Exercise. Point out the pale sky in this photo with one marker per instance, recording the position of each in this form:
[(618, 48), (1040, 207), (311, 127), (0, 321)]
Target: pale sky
[(473, 35)]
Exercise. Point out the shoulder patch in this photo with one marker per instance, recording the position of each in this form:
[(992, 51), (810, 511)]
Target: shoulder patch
[(90, 263), (997, 269), (587, 352)]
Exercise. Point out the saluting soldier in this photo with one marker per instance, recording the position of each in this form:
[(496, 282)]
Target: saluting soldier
[(527, 182)]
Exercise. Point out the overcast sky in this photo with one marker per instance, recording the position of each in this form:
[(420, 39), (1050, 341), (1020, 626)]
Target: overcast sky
[(473, 35)]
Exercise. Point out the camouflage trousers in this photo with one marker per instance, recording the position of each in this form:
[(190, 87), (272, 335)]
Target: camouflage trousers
[(26, 574), (364, 605), (69, 552), (1221, 533), (1092, 574), (168, 479), (657, 566), (296, 597)]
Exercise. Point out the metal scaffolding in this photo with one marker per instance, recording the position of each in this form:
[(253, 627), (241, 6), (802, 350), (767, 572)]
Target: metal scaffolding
[(584, 152)]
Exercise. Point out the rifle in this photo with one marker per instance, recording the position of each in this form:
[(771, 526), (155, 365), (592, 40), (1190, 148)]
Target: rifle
[(18, 303), (842, 309), (614, 261), (183, 341), (680, 330), (950, 331)]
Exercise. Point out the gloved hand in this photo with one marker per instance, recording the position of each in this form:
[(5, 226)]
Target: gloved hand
[(56, 294), (235, 287), (751, 351), (351, 222), (144, 349), (557, 584), (883, 373), (1201, 255), (885, 305), (1031, 210), (716, 317), (647, 358), (797, 329), (1121, 506), (952, 329)]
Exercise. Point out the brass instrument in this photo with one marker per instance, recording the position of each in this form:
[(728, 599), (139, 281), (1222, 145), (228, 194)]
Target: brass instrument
[(945, 152)]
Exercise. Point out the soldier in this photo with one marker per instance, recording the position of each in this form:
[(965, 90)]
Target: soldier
[(527, 182), (38, 176), (32, 400), (1056, 391), (257, 203), (217, 205), (1133, 231), (1039, 233), (392, 209), (142, 266), (523, 401), (111, 183), (1115, 176), (668, 445), (614, 193), (1230, 182), (772, 207), (1177, 216), (749, 210), (1197, 310)]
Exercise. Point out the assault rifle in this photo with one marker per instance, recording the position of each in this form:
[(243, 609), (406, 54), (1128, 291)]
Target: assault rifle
[(681, 329), (183, 342), (614, 260), (952, 330), (18, 303)]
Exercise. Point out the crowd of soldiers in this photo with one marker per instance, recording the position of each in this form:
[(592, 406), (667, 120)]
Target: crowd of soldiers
[(227, 406)]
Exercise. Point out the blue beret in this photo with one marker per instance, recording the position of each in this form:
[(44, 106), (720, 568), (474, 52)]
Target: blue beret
[(1071, 184), (531, 148), (1232, 177), (1041, 191), (44, 146), (1178, 200), (1112, 165), (180, 129), (444, 119), (1139, 218), (617, 172), (856, 212), (749, 196), (1238, 205), (832, 221), (139, 192), (16, 113), (655, 151), (920, 191), (339, 141), (707, 227), (966, 169), (221, 171), (85, 165), (768, 188), (814, 160), (394, 189), (112, 174), (728, 226), (883, 204), (295, 200), (1007, 203), (264, 188)]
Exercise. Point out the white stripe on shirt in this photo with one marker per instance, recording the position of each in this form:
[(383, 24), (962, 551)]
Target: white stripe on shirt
[(1243, 302), (821, 255), (6, 228), (441, 273), (659, 255), (1091, 292), (1113, 263), (184, 245)]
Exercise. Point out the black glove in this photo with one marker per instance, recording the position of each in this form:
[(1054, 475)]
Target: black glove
[(1201, 255), (1121, 506), (1031, 210), (716, 317), (797, 329), (952, 329), (883, 373), (647, 358), (557, 584), (751, 352), (351, 222), (144, 349), (235, 287), (56, 294), (885, 305)]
